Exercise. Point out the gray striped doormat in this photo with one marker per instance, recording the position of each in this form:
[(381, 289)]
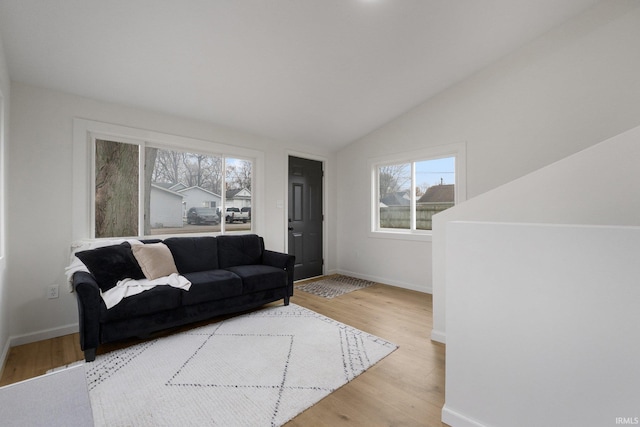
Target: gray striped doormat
[(334, 286)]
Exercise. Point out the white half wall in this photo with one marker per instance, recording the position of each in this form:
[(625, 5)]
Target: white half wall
[(568, 90), (542, 325)]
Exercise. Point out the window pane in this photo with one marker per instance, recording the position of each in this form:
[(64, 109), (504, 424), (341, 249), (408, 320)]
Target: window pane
[(184, 192), (116, 190), (395, 196), (238, 194), (435, 189)]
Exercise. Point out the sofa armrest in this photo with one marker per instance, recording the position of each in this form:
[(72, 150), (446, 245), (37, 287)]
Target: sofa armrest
[(283, 261), (278, 259), (89, 305)]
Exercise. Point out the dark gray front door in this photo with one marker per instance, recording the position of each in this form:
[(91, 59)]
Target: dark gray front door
[(305, 216)]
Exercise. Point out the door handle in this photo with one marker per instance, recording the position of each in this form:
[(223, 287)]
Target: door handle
[(290, 228)]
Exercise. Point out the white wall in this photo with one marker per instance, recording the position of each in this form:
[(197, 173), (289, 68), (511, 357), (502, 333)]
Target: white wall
[(542, 325), (4, 141), (40, 183), (564, 92)]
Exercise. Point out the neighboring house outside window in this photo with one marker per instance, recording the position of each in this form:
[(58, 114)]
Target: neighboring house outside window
[(238, 198), (436, 199), (408, 189)]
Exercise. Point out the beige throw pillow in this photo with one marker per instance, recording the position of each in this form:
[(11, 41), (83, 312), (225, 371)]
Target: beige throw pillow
[(155, 260)]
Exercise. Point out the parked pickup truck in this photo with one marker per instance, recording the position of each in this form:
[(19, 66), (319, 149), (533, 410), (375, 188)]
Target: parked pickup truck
[(235, 214)]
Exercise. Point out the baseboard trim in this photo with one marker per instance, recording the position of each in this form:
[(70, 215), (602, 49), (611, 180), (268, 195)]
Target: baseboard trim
[(386, 281), (43, 335), (455, 419), (438, 336)]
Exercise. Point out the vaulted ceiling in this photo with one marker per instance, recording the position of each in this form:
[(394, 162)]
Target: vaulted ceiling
[(303, 71)]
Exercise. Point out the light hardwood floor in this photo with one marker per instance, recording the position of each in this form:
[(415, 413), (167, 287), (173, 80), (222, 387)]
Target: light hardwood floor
[(404, 389)]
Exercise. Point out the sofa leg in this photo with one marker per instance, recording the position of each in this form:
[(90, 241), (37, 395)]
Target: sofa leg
[(286, 299), (90, 354)]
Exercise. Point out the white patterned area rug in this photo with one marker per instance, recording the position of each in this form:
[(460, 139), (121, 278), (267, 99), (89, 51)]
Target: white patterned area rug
[(258, 369), (334, 286)]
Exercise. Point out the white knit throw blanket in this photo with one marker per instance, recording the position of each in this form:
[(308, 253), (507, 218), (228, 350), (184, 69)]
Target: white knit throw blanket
[(126, 287), (129, 287)]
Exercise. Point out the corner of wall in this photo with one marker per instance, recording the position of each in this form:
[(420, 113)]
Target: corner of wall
[(4, 136)]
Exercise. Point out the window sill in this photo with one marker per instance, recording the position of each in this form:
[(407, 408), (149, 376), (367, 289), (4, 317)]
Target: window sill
[(424, 236)]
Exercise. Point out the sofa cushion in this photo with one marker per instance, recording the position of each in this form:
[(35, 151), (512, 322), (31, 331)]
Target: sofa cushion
[(211, 285), (155, 260), (194, 253), (110, 264), (245, 249), (154, 300), (260, 277)]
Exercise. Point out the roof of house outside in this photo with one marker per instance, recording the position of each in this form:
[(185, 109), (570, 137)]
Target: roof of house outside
[(195, 187), (230, 194), (166, 185), (163, 188), (397, 198), (443, 193)]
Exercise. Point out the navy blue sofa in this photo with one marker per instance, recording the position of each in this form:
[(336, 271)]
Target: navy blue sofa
[(228, 274)]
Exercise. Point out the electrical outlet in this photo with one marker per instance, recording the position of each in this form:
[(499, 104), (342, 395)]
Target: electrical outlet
[(52, 291)]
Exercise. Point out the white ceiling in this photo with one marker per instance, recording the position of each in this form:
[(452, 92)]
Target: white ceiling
[(306, 71)]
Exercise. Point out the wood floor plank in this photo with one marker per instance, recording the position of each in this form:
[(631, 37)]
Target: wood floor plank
[(404, 389)]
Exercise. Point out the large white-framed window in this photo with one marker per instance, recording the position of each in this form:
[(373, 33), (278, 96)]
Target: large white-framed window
[(407, 189), (130, 182)]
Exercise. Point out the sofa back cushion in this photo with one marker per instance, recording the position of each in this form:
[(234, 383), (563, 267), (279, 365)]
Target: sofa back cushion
[(193, 254), (109, 264), (245, 249)]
